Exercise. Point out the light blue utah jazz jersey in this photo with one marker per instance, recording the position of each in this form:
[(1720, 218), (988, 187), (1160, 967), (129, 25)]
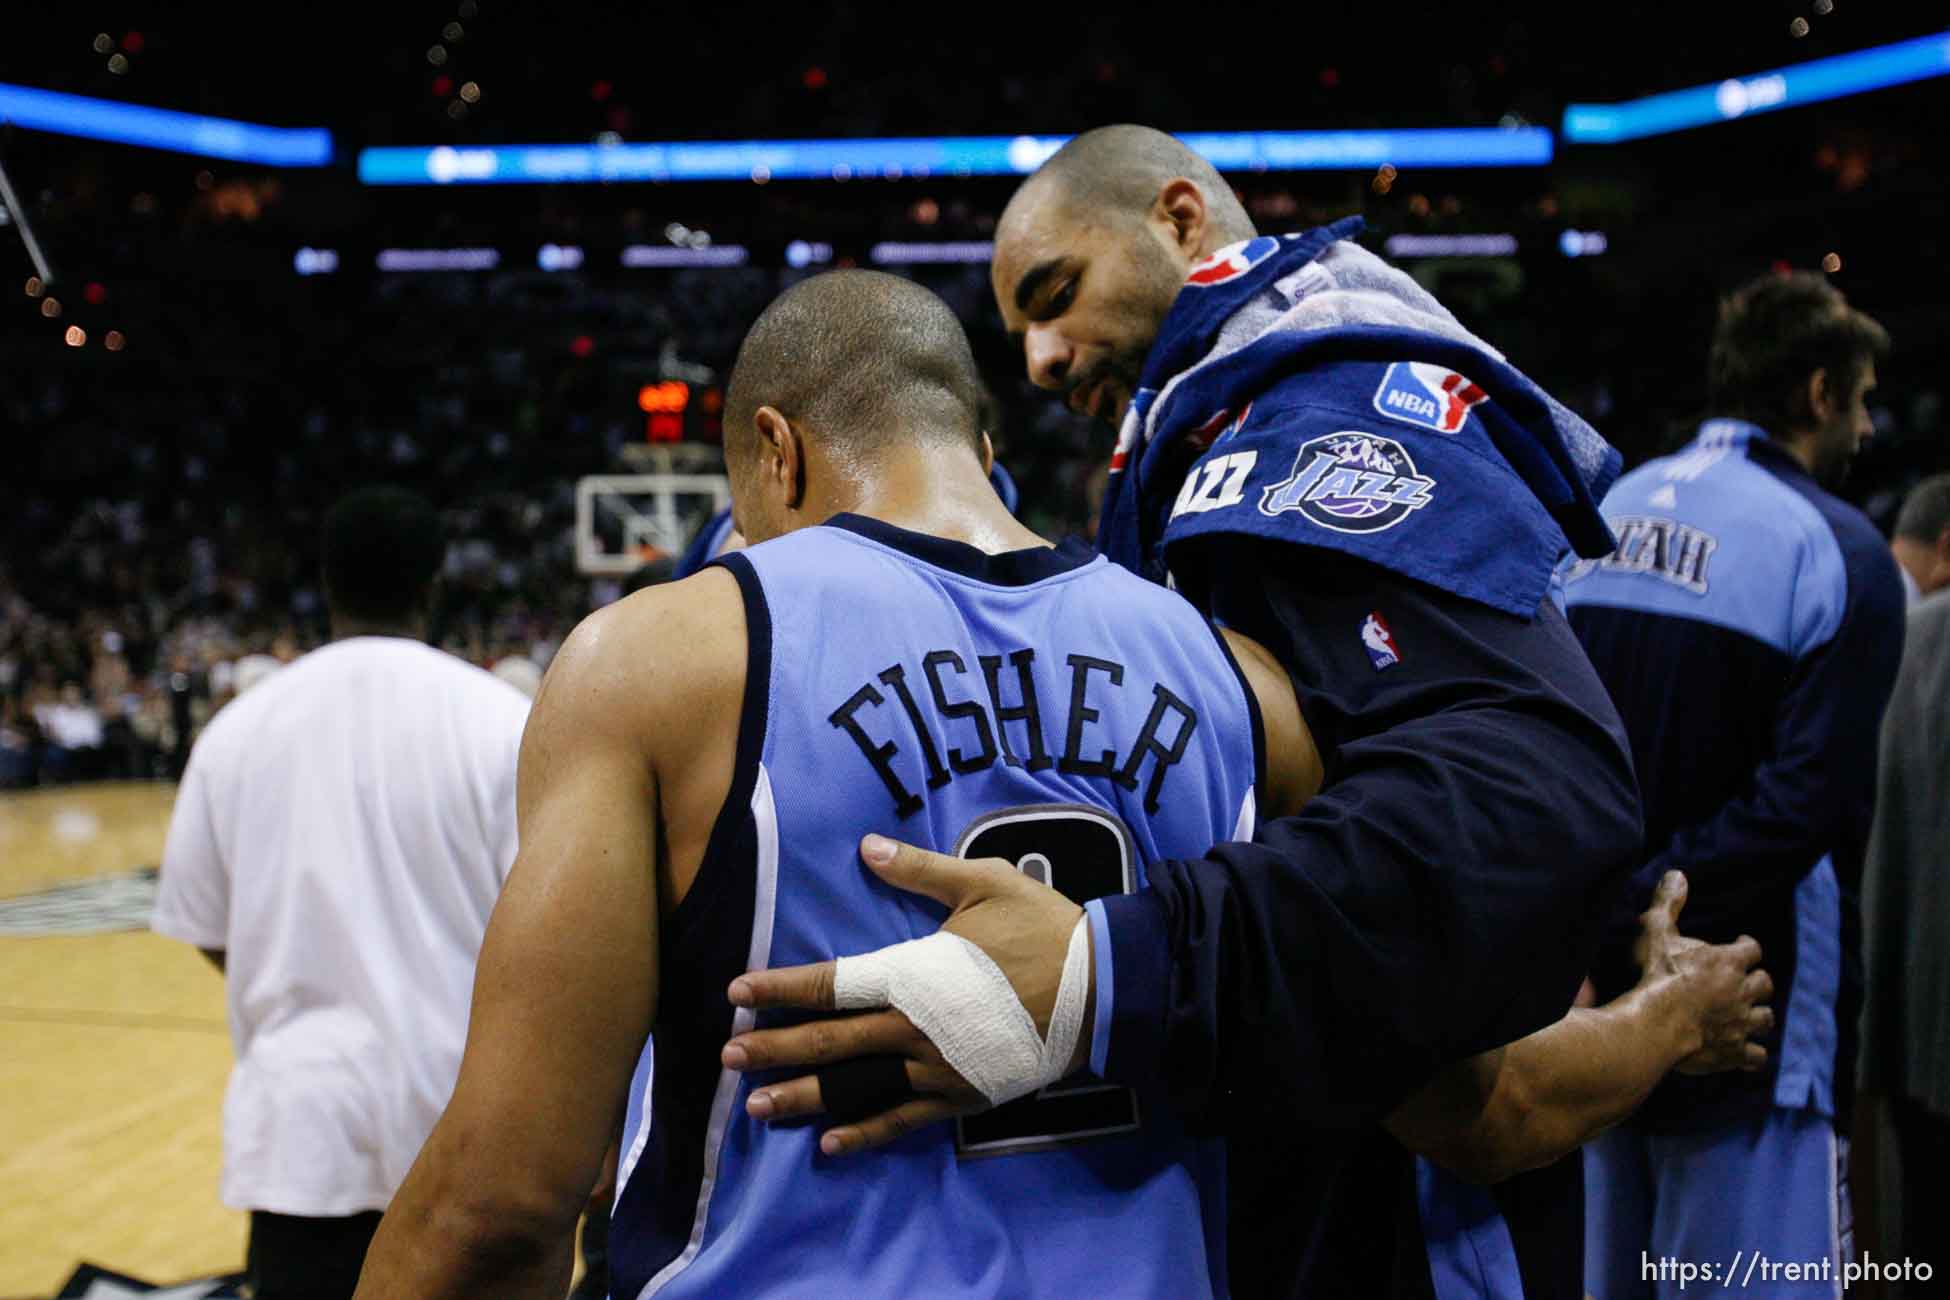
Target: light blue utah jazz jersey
[(1043, 706), (1749, 627)]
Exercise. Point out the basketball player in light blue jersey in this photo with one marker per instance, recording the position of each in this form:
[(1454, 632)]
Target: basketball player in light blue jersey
[(893, 651)]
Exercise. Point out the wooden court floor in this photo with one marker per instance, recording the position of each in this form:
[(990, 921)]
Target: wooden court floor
[(113, 1056)]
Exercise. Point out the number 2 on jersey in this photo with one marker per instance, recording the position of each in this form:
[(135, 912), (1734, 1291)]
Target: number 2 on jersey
[(1083, 853)]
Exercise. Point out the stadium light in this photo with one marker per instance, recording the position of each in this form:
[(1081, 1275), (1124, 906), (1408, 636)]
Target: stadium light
[(438, 259), (1765, 92), (640, 256), (161, 128), (801, 253), (1582, 243), (1451, 246), (977, 155), (315, 261), (893, 253)]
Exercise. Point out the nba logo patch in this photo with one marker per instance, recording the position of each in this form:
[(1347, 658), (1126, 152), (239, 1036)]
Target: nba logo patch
[(1379, 642), (1431, 396), (1231, 263)]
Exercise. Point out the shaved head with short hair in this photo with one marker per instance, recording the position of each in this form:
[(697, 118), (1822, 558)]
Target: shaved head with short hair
[(1121, 169), (863, 360), (1091, 252)]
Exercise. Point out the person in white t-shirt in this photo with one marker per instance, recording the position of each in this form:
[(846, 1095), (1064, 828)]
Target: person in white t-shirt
[(339, 839)]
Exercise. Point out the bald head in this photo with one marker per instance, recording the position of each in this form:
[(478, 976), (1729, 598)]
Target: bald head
[(863, 361), (1119, 170), (1092, 251)]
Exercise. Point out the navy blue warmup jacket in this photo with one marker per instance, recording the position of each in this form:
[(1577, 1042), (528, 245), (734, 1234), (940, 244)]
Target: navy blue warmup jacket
[(1749, 627), (1322, 457)]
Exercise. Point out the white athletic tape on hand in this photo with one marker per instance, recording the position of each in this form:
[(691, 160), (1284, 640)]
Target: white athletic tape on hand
[(962, 1003)]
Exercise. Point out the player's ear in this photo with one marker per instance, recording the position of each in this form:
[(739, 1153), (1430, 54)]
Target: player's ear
[(1820, 395), (791, 445), (987, 452), (1181, 206), (779, 466)]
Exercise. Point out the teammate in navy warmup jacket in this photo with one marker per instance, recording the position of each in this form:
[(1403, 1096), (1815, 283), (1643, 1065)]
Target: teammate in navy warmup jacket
[(704, 757), (1749, 626), (1320, 455)]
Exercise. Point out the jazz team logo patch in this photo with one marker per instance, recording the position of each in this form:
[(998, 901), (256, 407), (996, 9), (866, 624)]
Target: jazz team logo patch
[(1379, 642), (1232, 262), (1431, 396), (1350, 482)]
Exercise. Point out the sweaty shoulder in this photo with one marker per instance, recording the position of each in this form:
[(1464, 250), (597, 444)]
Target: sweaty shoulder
[(655, 663)]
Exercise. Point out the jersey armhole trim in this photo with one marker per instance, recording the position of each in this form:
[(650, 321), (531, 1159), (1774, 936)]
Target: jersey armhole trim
[(1252, 706), (737, 806)]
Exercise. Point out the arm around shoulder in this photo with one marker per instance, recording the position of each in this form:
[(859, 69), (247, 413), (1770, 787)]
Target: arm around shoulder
[(1696, 1007), (1479, 797)]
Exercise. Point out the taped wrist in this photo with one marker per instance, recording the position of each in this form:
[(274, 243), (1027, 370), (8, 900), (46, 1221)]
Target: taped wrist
[(962, 1003)]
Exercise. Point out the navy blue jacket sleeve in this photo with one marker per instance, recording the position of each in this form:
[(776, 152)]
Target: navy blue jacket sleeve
[(1437, 898), (705, 545), (1814, 793)]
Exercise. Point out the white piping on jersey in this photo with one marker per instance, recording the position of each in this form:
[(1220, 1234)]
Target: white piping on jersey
[(1709, 449), (1248, 816), (1837, 1171), (642, 1138), (765, 821)]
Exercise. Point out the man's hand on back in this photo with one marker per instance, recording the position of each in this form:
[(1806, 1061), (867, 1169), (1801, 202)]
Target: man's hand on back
[(1718, 989), (1024, 928)]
